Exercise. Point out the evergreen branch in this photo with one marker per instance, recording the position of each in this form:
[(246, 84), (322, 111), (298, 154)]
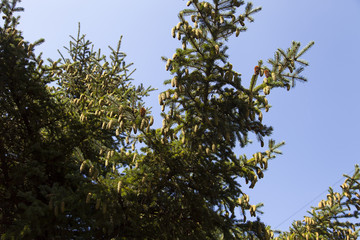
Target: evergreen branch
[(206, 21), (283, 53), (307, 47), (303, 62)]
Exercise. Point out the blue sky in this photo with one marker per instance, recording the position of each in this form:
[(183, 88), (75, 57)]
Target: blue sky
[(318, 119)]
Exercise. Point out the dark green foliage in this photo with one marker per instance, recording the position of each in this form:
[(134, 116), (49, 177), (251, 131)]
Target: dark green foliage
[(211, 111), (46, 134), (334, 218), (80, 160)]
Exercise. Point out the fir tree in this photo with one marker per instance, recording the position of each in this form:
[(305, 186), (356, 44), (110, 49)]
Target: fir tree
[(81, 160), (333, 218), (211, 111), (56, 142)]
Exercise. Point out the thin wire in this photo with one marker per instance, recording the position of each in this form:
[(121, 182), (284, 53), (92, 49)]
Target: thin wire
[(319, 195)]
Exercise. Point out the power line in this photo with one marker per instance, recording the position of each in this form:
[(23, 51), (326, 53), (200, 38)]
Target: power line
[(319, 195)]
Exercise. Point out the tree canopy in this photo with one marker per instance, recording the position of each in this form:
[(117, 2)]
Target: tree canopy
[(80, 158)]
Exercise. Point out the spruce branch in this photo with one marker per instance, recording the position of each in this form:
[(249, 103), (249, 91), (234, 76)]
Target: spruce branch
[(306, 48)]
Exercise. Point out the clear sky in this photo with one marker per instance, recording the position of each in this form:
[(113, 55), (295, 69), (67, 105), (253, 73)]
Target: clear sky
[(318, 120)]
